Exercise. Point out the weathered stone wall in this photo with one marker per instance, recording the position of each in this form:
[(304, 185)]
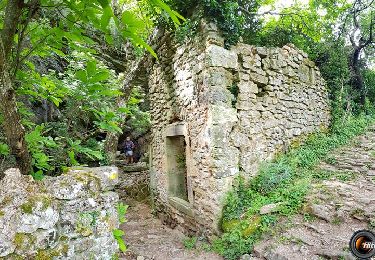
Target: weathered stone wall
[(179, 99), (67, 217), (280, 97), (133, 182), (235, 109)]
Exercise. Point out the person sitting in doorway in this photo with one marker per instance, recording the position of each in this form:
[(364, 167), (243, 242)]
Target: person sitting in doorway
[(128, 148)]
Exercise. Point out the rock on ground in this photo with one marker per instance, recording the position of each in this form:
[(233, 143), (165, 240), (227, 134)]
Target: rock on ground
[(335, 208)]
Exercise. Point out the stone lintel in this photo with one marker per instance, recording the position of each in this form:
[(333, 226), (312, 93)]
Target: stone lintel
[(175, 129)]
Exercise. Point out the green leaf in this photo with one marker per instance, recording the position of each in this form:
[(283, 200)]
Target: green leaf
[(121, 245), (118, 233), (58, 52), (4, 149), (124, 110), (175, 16), (100, 76), (130, 20), (110, 93), (106, 17), (97, 154), (103, 3), (139, 41), (55, 100), (38, 176), (72, 158), (91, 68), (121, 211), (81, 75)]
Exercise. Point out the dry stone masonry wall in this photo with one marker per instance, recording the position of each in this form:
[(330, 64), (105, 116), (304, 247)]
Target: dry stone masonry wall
[(217, 113), (67, 217)]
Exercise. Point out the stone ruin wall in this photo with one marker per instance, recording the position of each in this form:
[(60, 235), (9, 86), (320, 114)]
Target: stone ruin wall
[(71, 216), (177, 95), (280, 99)]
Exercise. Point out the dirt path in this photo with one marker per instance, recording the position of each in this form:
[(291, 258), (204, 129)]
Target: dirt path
[(334, 210), (147, 238)]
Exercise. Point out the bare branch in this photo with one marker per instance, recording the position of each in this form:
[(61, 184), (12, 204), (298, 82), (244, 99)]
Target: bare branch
[(355, 16)]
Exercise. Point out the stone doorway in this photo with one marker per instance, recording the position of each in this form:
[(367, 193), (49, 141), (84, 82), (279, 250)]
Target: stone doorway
[(176, 167)]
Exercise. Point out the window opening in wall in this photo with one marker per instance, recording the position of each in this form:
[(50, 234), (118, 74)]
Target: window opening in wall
[(234, 90), (261, 91), (176, 165)]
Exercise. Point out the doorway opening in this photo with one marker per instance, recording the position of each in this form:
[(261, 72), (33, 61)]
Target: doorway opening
[(176, 166)]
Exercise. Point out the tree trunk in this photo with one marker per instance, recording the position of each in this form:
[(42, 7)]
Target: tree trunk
[(356, 80), (13, 129), (12, 126)]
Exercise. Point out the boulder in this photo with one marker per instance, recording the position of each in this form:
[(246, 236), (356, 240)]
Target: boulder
[(71, 216)]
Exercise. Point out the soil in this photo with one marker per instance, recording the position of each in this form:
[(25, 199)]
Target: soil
[(148, 238)]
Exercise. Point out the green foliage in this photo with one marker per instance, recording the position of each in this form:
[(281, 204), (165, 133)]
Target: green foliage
[(271, 176), (227, 14), (75, 148), (190, 242), (118, 233), (38, 176), (369, 79), (85, 96), (285, 182), (121, 211), (37, 143), (4, 149), (187, 30)]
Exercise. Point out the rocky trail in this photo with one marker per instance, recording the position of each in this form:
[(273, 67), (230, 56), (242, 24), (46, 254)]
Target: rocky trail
[(148, 239), (334, 210)]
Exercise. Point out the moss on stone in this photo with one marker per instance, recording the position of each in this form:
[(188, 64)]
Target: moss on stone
[(14, 256), (32, 201), (63, 238), (1, 213), (49, 254), (46, 254), (65, 249), (86, 178), (6, 201), (27, 208), (18, 239), (247, 227), (85, 224), (23, 241)]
